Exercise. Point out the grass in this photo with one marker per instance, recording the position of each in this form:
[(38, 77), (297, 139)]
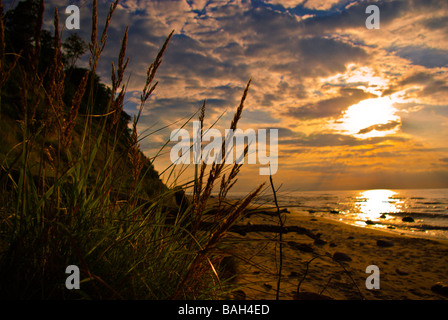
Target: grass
[(59, 207)]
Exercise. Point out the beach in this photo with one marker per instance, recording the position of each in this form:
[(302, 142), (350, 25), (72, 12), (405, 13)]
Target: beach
[(409, 267)]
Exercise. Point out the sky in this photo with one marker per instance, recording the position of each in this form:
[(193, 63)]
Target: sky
[(355, 108)]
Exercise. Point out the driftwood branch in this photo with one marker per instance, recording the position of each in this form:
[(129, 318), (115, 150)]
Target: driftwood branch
[(244, 229)]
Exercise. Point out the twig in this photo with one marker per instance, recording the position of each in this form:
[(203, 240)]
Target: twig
[(351, 278), (280, 238), (306, 273), (343, 267)]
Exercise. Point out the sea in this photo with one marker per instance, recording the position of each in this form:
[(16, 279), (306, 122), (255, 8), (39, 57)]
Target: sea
[(416, 212)]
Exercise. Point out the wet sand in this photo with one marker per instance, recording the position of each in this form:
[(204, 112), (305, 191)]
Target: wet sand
[(409, 266)]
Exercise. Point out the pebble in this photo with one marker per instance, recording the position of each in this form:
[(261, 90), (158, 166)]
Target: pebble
[(440, 288), (320, 242), (293, 274), (402, 272), (340, 256), (300, 246), (384, 243), (267, 286), (408, 219)]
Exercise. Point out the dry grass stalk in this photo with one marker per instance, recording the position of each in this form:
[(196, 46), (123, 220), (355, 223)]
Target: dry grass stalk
[(216, 169), (4, 73), (199, 178), (201, 263), (233, 216), (95, 48), (117, 79), (150, 74), (134, 153), (93, 35), (56, 78), (69, 124), (31, 83), (50, 157), (227, 184), (112, 8)]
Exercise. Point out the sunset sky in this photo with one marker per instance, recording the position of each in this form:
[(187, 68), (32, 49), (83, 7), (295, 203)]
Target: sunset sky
[(355, 108)]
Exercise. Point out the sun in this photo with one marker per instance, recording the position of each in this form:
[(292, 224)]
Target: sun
[(370, 118)]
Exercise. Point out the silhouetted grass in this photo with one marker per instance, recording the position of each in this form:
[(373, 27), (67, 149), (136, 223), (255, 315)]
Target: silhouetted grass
[(60, 208)]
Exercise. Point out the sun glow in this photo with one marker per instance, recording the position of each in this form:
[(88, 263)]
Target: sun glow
[(362, 77), (374, 203), (370, 118)]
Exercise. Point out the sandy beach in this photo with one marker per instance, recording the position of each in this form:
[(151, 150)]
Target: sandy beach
[(409, 266)]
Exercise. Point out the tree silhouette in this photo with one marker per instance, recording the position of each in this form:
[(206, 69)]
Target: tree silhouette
[(74, 47), (21, 25)]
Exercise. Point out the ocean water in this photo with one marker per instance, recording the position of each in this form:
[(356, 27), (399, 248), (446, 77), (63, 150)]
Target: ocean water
[(382, 209)]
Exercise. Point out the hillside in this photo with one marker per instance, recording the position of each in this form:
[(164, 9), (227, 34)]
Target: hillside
[(76, 191), (52, 83)]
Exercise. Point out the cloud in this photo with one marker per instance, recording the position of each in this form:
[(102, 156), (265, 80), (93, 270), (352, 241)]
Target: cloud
[(321, 4), (437, 23), (334, 139), (423, 56), (353, 17), (429, 85), (307, 60), (309, 4), (331, 107), (380, 127)]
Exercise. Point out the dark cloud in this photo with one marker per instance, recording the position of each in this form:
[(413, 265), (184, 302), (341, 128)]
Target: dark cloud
[(431, 85), (316, 57), (258, 117), (380, 127), (332, 140), (322, 56), (423, 56), (188, 59), (331, 107), (353, 17), (439, 23), (178, 106)]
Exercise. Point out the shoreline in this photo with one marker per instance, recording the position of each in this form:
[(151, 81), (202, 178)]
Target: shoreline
[(409, 266), (394, 231)]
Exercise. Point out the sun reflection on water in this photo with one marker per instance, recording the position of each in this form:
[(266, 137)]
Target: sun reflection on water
[(371, 204)]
